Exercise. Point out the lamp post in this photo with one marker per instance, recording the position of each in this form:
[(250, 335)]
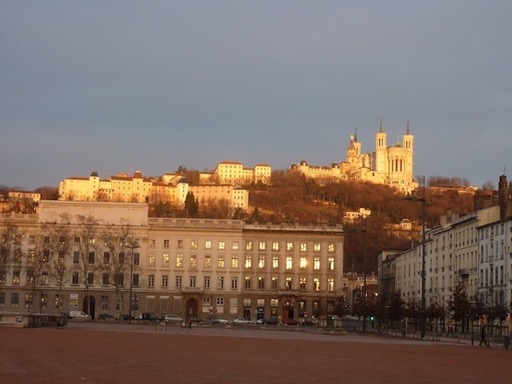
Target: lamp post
[(423, 308), (132, 244)]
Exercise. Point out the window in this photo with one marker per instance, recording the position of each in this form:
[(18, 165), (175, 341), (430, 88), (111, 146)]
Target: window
[(165, 259), (2, 299), (275, 246), (136, 258), (152, 243), (235, 246), (289, 262), (16, 277), (179, 260), (303, 262), (76, 257), (316, 263), (275, 261), (221, 261), (207, 261), (76, 240), (207, 244), (90, 278), (151, 281), (222, 245), (106, 257), (44, 278), (234, 261), (289, 246), (120, 279), (302, 283), (207, 281), (104, 302), (58, 301), (15, 299), (105, 279), (165, 281), (220, 301), (192, 281), (316, 284), (261, 261), (248, 261), (135, 279), (330, 247), (247, 282), (288, 283), (261, 282), (46, 256), (180, 244), (275, 282), (193, 261), (28, 299), (248, 245), (74, 278), (220, 282), (32, 255), (193, 244), (303, 247), (262, 245), (90, 259), (178, 281), (330, 263), (152, 260), (330, 284), (31, 239), (234, 283), (317, 247), (166, 243), (121, 258), (30, 276)]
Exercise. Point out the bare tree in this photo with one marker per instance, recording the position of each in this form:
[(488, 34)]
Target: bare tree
[(88, 232), (10, 248), (37, 267), (60, 245), (118, 259)]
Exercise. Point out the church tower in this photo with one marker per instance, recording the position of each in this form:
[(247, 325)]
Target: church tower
[(408, 144), (380, 150)]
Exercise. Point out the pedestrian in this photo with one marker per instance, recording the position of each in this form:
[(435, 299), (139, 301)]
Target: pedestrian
[(482, 331)]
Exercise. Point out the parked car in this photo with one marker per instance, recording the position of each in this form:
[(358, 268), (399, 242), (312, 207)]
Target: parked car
[(291, 322), (219, 320), (241, 320), (78, 315), (270, 321), (171, 318), (147, 316), (127, 317), (106, 316)]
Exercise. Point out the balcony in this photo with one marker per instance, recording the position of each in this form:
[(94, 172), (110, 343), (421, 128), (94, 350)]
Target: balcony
[(192, 289)]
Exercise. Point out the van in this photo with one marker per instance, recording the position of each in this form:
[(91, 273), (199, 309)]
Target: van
[(78, 315)]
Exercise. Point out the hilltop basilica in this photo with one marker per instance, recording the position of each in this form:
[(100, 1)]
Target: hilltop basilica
[(389, 165)]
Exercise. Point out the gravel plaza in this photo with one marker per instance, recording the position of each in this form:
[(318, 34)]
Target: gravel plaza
[(103, 352)]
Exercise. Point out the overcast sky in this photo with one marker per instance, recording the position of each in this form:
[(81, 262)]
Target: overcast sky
[(119, 86)]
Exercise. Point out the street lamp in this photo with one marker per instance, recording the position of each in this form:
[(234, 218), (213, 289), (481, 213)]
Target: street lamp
[(423, 260), (132, 244)]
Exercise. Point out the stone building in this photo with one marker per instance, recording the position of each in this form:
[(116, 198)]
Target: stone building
[(91, 255), (391, 165)]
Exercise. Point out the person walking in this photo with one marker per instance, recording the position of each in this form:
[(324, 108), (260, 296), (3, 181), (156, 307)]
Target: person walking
[(482, 331)]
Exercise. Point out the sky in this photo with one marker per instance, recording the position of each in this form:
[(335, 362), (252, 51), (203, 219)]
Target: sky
[(120, 86)]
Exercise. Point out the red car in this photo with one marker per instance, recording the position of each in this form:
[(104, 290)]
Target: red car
[(290, 322)]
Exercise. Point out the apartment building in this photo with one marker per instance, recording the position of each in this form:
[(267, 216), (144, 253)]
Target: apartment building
[(475, 249), (89, 256)]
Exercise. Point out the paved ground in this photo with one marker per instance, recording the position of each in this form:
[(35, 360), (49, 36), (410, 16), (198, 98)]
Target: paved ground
[(120, 353)]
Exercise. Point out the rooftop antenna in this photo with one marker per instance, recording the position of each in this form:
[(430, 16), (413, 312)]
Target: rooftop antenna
[(408, 126), (380, 127)]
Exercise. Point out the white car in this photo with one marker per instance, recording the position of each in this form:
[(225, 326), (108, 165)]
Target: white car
[(78, 315), (241, 320), (172, 319)]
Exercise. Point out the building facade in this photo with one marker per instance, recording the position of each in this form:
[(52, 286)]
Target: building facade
[(474, 249), (391, 165), (90, 255)]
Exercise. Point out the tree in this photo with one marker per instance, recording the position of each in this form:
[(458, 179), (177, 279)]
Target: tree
[(118, 260), (10, 248), (458, 303), (396, 309), (191, 205), (341, 307), (61, 240), (87, 232), (38, 268)]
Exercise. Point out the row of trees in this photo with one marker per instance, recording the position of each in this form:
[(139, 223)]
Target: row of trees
[(59, 249), (459, 308)]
